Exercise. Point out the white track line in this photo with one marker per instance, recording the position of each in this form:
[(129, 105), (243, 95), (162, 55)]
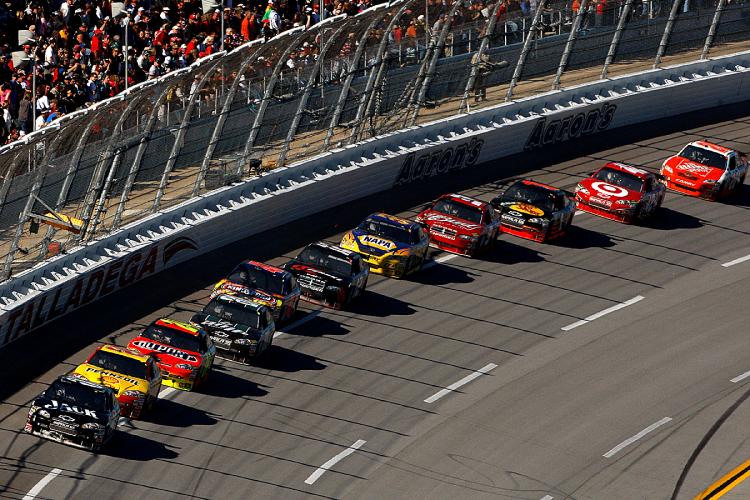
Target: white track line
[(606, 311), (736, 261), (547, 497), (638, 436), (321, 470), (463, 381), (578, 212), (299, 322), (38, 487), (439, 260), (740, 378)]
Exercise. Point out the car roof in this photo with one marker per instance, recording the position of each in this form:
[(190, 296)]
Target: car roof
[(263, 267), (712, 147), (234, 299), (531, 182), (177, 325), (390, 219), (124, 351), (622, 167), (333, 248), (464, 200)]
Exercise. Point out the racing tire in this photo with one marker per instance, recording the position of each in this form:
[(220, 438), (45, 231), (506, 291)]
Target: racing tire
[(738, 186)]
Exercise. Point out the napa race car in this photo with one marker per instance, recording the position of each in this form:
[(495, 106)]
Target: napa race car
[(390, 245), (184, 353), (535, 211), (270, 286), (135, 377), (241, 329), (460, 224), (705, 170), (329, 275), (620, 192), (75, 412)]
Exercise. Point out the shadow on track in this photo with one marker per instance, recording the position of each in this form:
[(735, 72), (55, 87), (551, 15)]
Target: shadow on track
[(581, 238), (223, 384), (127, 445), (507, 251), (376, 304), (666, 219), (173, 414), (281, 359)]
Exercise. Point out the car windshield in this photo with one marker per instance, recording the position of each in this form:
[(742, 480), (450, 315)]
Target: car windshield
[(704, 156), (388, 231), (234, 312), (172, 337), (459, 210), (258, 278), (77, 395), (533, 195), (119, 363), (619, 178), (326, 259)]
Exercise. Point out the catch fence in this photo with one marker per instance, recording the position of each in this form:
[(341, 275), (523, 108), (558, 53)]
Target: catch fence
[(271, 102)]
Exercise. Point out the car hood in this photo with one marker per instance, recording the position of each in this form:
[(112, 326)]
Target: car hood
[(608, 192), (70, 413), (377, 245), (117, 381), (522, 209), (217, 327), (166, 353), (439, 219), (692, 169), (254, 294)]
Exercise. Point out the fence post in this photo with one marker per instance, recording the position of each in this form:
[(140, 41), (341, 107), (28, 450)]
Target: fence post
[(572, 36), (374, 79), (417, 104), (667, 32), (306, 95), (712, 30), (616, 37), (344, 94), (531, 35), (180, 139), (482, 48)]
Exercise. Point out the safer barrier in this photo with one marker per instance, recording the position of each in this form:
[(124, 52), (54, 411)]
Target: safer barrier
[(167, 238)]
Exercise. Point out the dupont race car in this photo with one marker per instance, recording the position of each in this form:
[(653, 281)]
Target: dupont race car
[(460, 224), (76, 412), (392, 246), (620, 192), (705, 170), (135, 377), (270, 286), (184, 353), (240, 328), (535, 211), (329, 275)]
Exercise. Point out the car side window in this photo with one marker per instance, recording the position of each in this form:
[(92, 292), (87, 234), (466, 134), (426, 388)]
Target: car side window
[(355, 266), (732, 162)]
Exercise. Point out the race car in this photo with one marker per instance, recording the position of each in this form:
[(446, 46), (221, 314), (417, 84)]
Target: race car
[(135, 377), (535, 211), (241, 329), (329, 275), (75, 412), (267, 285), (392, 246), (705, 170), (459, 224), (184, 353), (620, 192)]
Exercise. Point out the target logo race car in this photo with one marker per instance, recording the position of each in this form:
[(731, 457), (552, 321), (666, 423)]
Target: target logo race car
[(135, 377), (240, 328), (184, 353), (620, 192), (76, 412), (267, 285), (329, 275), (535, 211), (392, 246), (705, 170), (460, 224)]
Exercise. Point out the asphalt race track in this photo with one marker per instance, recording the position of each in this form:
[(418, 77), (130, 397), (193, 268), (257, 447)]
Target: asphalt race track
[(633, 404)]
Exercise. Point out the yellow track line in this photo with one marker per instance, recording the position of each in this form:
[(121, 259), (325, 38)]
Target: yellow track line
[(726, 483)]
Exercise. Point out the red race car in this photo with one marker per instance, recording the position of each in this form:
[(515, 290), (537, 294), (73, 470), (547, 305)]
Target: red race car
[(620, 192), (705, 170), (460, 224), (184, 353)]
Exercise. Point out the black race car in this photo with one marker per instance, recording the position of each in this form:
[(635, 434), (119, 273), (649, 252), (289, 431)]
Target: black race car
[(328, 274), (535, 211), (76, 412), (239, 328)]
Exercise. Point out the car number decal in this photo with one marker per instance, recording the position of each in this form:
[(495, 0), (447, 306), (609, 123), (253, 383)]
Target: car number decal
[(527, 209), (609, 190)]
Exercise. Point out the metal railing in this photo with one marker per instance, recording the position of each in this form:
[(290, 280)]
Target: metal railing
[(268, 103)]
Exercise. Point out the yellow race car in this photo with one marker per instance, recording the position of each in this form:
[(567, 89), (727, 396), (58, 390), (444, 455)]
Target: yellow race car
[(135, 377), (392, 246)]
